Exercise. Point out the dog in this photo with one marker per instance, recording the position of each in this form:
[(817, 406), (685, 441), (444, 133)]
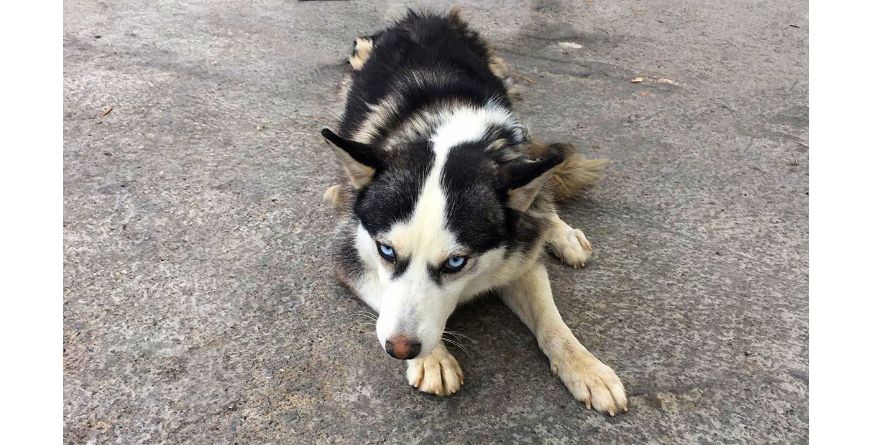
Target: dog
[(444, 197)]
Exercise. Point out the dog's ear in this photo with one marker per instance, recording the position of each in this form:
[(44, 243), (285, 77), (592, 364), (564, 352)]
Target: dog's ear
[(359, 160), (524, 178)]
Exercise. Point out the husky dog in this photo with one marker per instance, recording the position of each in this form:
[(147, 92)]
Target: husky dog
[(445, 197)]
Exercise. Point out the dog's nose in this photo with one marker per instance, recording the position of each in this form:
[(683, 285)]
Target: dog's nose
[(402, 348)]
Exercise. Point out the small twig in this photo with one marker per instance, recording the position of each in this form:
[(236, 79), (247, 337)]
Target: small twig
[(522, 77), (108, 111)]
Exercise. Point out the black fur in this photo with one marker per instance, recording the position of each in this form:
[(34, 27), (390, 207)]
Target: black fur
[(394, 190), (474, 210), (363, 153), (453, 63), (420, 42)]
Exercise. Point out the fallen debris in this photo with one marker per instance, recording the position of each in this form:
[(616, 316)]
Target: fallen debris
[(108, 111), (655, 79), (522, 77), (569, 45)]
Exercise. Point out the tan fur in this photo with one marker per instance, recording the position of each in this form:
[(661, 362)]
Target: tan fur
[(521, 198), (362, 50), (359, 174), (498, 67), (378, 115), (587, 378), (574, 175), (455, 14), (568, 244), (333, 195), (437, 373)]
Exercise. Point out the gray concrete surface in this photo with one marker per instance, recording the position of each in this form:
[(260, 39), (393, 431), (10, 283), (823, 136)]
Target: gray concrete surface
[(199, 303)]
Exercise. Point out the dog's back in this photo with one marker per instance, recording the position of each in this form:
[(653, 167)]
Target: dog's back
[(421, 61)]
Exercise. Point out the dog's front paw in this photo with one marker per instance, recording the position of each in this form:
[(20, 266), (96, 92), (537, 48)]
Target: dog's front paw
[(572, 247), (593, 383), (436, 373)]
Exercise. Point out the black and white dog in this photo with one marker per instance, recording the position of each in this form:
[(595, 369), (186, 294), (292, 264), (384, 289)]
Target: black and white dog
[(445, 198)]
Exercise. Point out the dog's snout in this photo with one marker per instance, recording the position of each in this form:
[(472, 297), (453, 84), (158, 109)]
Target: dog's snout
[(402, 348)]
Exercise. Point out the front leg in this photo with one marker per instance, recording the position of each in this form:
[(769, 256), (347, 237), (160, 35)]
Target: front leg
[(586, 377), (568, 244), (437, 373)]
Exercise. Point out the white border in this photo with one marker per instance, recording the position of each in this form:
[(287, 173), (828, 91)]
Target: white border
[(847, 208), (31, 222), (847, 222)]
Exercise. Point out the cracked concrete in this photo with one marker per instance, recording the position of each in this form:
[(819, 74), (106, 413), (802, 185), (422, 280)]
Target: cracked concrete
[(199, 304)]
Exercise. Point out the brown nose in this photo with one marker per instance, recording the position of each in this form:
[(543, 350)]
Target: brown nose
[(402, 348)]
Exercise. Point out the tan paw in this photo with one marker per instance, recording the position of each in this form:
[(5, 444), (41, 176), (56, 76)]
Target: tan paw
[(592, 383), (571, 247), (437, 373)]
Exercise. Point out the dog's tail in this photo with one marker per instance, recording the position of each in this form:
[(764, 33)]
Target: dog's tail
[(575, 174)]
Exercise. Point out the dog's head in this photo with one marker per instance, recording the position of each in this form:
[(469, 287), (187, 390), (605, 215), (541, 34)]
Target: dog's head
[(436, 219)]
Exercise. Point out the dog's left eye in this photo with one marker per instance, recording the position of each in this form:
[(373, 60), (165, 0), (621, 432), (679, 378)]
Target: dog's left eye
[(455, 264), (387, 252)]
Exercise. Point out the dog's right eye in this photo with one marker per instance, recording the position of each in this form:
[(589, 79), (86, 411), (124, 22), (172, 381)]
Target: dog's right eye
[(387, 252)]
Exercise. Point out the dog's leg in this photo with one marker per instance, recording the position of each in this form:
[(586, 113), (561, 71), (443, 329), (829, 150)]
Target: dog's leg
[(436, 373), (568, 244), (362, 50), (586, 377)]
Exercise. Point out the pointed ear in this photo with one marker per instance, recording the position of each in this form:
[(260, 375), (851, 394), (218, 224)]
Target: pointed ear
[(359, 160), (524, 178)]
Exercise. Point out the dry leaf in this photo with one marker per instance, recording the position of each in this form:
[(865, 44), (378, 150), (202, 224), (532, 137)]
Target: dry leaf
[(637, 80)]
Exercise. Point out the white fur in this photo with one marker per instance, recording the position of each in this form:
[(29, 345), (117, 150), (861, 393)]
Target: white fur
[(368, 286), (413, 304), (466, 124)]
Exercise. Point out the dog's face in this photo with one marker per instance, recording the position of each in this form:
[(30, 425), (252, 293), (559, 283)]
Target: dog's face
[(433, 220)]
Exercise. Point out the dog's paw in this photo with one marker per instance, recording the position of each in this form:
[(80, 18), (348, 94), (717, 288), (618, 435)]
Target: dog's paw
[(592, 383), (437, 373), (571, 247)]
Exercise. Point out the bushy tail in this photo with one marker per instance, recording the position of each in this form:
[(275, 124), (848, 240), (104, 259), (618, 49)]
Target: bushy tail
[(575, 174)]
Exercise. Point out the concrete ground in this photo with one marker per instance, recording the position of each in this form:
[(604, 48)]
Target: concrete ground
[(199, 300)]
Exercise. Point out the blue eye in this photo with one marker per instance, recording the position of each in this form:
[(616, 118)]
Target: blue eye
[(387, 252), (455, 264)]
